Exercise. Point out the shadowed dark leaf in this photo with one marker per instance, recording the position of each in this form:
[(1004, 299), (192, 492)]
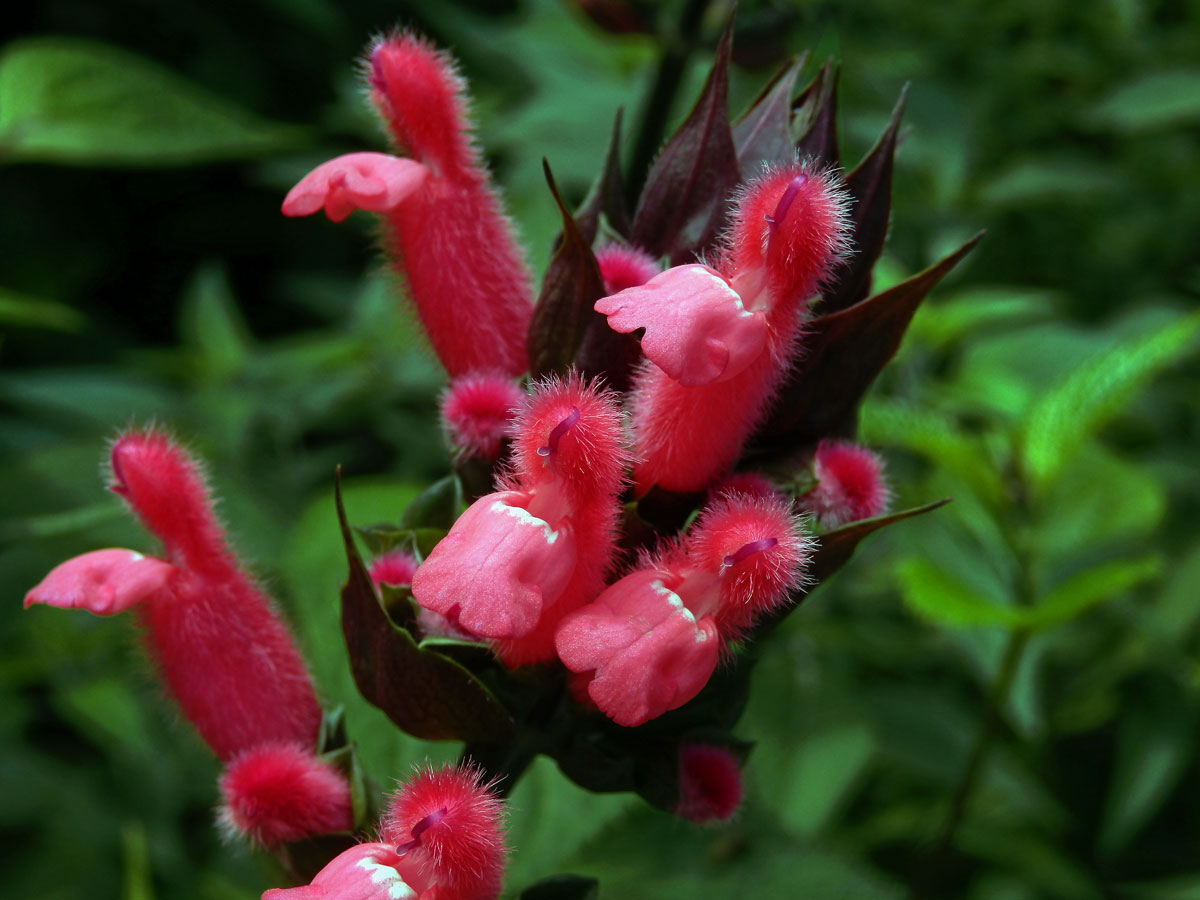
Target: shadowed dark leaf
[(563, 887), (870, 187), (607, 194), (817, 111), (683, 206), (438, 506), (423, 692), (841, 354), (564, 310), (763, 133)]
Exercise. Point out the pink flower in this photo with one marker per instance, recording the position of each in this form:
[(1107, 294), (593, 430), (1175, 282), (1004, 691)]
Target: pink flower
[(104, 582), (444, 227), (440, 839), (499, 568), (477, 410), (371, 181), (275, 793), (646, 650), (448, 824), (850, 484), (520, 559), (651, 641), (719, 340), (696, 328), (223, 652), (710, 783), (373, 871)]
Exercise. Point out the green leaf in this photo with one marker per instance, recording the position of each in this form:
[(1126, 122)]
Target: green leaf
[(1156, 100), (212, 324), (1087, 398), (19, 310), (1081, 592), (820, 774), (938, 597), (944, 322), (80, 102), (837, 546), (438, 506)]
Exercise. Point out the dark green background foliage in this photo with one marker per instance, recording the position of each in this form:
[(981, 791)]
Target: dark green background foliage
[(997, 700)]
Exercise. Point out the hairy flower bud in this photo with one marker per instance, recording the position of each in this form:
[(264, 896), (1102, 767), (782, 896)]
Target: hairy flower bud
[(710, 783), (477, 411), (850, 484)]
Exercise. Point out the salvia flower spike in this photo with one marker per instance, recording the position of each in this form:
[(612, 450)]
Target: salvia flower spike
[(443, 224), (718, 339)]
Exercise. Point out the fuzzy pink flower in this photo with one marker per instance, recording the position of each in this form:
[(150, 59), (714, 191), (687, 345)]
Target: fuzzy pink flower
[(449, 825), (371, 181), (651, 641), (719, 340), (850, 484), (696, 328), (444, 227), (373, 871), (624, 267), (225, 655), (521, 558), (477, 410), (275, 793), (710, 783)]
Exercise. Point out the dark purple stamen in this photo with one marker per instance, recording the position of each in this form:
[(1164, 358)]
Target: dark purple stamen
[(781, 208), (748, 550), (420, 828), (559, 430)]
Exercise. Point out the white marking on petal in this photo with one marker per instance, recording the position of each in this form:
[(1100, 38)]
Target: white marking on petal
[(380, 874), (135, 556), (526, 518), (673, 598)]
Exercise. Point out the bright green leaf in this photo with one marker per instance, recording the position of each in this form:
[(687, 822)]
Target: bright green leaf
[(1071, 410), (940, 598), (81, 102), (1155, 100)]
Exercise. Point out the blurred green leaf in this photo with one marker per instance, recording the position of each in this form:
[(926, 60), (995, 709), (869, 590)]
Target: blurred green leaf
[(1076, 407), (563, 887), (934, 595), (80, 102), (822, 771), (23, 311), (211, 323), (943, 321), (1088, 588), (1155, 100)]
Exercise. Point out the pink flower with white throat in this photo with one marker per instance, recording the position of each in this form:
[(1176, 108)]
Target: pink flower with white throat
[(521, 558), (651, 641), (719, 339)]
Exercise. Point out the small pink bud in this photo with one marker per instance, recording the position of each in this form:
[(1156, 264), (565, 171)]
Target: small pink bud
[(850, 484), (477, 411), (104, 582), (648, 652), (395, 568), (498, 569), (696, 328), (710, 783), (375, 182), (447, 824), (275, 793), (364, 872), (624, 267)]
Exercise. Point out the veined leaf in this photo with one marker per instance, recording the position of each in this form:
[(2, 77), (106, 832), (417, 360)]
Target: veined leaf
[(81, 102), (1087, 398)]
